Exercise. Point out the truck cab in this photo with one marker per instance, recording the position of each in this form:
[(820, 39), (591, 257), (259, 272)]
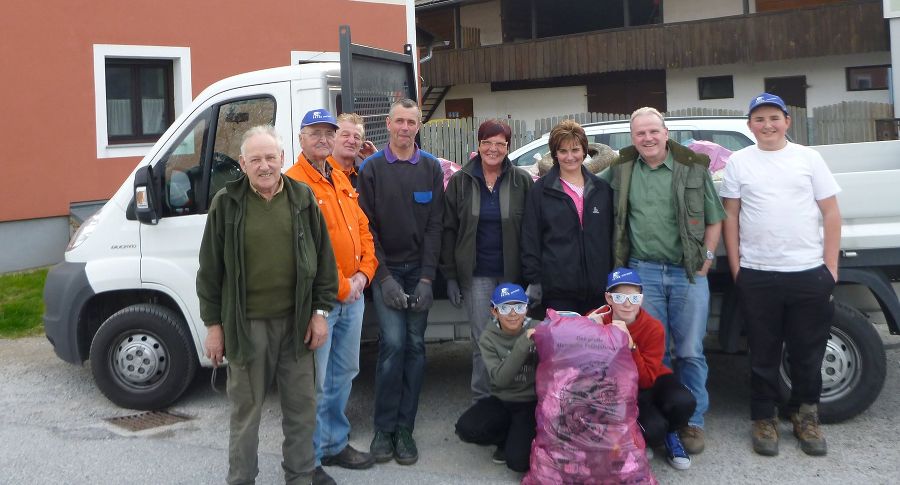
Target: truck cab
[(125, 296)]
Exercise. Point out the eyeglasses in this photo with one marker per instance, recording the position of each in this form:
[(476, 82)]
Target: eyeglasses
[(493, 144), (319, 134), (505, 308), (619, 298)]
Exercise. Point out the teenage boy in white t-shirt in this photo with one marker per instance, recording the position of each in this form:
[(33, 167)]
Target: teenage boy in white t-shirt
[(782, 236)]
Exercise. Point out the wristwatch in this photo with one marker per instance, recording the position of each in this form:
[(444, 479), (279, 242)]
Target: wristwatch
[(710, 255), (324, 313)]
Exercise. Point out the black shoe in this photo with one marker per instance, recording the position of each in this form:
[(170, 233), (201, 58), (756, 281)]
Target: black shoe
[(350, 458), (322, 478), (405, 451), (382, 447), (499, 456)]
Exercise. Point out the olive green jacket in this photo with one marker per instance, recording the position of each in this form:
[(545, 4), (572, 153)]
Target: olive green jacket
[(688, 179), (221, 285)]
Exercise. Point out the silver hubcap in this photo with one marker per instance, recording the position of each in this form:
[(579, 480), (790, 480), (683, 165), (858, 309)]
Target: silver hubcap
[(139, 358), (840, 366)]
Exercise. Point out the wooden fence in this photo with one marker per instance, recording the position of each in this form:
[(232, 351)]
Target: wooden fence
[(845, 122), (848, 121)]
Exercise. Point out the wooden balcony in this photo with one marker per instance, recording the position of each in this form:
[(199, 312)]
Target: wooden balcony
[(847, 28)]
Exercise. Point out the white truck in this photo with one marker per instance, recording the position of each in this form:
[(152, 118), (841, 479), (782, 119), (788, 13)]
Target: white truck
[(125, 296), (125, 299)]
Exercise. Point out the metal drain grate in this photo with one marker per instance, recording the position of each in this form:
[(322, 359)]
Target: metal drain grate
[(147, 420)]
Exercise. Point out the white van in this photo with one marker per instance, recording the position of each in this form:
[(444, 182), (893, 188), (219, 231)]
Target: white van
[(125, 296)]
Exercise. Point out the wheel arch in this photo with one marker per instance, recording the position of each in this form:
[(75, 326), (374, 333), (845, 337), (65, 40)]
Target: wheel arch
[(101, 306), (878, 283)]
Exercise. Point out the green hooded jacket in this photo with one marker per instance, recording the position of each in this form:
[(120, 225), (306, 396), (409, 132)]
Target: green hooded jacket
[(221, 285)]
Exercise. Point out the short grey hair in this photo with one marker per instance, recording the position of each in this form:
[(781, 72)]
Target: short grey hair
[(404, 103), (646, 110), (262, 130)]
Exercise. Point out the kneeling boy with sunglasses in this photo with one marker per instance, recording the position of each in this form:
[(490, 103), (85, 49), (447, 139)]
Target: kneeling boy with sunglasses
[(664, 404), (506, 418)]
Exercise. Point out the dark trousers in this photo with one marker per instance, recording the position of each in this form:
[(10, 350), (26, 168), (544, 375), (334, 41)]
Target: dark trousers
[(511, 425), (663, 408), (792, 309)]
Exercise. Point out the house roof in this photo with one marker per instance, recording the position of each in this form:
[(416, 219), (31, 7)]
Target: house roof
[(429, 4)]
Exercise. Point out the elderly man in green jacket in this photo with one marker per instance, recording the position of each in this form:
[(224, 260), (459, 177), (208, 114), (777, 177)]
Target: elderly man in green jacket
[(266, 281)]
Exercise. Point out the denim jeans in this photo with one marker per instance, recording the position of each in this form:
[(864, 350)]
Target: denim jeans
[(477, 300), (683, 308), (401, 355), (337, 363)]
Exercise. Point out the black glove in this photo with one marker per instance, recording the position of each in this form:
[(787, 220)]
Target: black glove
[(423, 297), (392, 294), (453, 293)]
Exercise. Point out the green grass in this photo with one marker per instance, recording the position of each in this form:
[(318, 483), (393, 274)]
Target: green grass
[(22, 303)]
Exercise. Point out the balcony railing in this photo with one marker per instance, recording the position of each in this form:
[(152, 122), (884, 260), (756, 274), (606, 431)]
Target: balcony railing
[(846, 28)]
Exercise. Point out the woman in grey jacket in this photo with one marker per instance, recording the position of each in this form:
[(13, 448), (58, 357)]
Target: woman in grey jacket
[(483, 208)]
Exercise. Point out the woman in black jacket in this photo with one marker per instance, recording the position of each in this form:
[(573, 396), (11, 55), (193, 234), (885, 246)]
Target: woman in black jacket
[(483, 208), (567, 230)]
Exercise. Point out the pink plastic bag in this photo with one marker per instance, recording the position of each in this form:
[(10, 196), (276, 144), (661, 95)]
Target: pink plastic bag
[(587, 431), (718, 155)]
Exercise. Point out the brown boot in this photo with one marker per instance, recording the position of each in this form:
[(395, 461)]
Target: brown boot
[(693, 439), (765, 436), (808, 431)]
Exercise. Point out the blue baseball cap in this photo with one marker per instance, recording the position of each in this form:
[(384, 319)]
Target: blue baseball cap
[(623, 276), (508, 292), (770, 99), (316, 116)]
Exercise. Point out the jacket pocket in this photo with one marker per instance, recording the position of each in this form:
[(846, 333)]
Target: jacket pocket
[(422, 197)]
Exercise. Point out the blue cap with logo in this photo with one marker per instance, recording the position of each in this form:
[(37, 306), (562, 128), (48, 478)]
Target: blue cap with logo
[(770, 99), (317, 116), (508, 292), (623, 276)]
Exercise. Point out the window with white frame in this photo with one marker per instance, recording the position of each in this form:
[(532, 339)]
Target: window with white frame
[(139, 90)]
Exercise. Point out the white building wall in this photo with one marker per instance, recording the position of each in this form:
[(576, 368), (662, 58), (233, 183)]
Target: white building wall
[(485, 16), (527, 104), (685, 10), (825, 76)]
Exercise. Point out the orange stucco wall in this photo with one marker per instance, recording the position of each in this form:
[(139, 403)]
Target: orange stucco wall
[(47, 121)]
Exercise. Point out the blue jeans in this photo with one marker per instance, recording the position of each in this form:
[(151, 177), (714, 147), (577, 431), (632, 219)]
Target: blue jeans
[(683, 308), (401, 355), (337, 363), (478, 307)]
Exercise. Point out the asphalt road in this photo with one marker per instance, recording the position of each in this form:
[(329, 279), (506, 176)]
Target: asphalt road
[(53, 430)]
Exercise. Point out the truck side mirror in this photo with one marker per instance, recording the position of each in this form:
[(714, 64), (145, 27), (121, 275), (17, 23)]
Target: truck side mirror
[(146, 196)]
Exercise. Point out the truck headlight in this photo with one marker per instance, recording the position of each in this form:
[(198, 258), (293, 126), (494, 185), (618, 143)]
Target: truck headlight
[(83, 232)]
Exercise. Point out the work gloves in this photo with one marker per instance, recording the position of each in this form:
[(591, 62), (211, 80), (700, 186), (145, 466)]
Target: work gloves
[(453, 293), (422, 297), (392, 294)]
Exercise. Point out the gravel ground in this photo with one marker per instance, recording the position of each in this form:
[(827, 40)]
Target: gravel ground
[(53, 430)]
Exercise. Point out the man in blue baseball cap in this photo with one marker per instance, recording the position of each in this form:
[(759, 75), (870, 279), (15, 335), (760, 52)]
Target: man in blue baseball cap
[(506, 417), (782, 236)]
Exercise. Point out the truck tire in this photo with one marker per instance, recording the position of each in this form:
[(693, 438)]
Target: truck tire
[(853, 369), (142, 357)]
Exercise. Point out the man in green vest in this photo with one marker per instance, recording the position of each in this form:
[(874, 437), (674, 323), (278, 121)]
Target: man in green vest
[(668, 221)]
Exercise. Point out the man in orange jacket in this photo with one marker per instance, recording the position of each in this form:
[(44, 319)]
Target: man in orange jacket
[(337, 362)]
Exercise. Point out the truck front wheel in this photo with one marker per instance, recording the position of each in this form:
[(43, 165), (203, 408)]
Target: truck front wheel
[(142, 357), (853, 369)]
